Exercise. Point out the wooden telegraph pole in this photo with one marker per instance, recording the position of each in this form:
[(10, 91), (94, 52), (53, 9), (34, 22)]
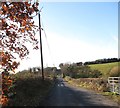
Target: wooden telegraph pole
[(41, 47)]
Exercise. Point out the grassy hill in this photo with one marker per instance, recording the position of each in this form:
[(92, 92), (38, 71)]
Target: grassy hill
[(105, 68)]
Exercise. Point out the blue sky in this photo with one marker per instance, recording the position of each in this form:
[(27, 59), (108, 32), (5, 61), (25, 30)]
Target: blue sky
[(93, 20), (77, 31)]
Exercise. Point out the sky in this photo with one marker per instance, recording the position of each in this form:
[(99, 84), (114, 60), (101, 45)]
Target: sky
[(75, 32)]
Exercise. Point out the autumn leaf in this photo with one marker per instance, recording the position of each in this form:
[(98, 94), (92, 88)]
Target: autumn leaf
[(23, 30), (4, 8), (23, 23), (17, 28)]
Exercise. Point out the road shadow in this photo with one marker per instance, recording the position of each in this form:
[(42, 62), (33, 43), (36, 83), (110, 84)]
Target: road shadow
[(64, 95)]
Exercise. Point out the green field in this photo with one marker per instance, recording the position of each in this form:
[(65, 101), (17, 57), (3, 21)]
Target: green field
[(104, 68)]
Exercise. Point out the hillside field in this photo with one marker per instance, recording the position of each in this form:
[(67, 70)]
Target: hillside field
[(105, 68)]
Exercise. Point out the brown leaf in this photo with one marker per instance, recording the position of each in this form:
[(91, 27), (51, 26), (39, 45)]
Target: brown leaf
[(23, 23), (23, 30), (4, 7)]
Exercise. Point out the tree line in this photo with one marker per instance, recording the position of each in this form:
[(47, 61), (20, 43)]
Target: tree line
[(99, 61), (83, 70), (75, 71)]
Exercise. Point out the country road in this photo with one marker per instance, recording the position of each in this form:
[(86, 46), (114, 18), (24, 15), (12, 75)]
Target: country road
[(64, 94)]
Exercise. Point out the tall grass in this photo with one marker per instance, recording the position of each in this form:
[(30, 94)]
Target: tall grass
[(30, 89)]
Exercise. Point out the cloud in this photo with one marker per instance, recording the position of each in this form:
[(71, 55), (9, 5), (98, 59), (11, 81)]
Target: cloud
[(115, 38), (64, 49)]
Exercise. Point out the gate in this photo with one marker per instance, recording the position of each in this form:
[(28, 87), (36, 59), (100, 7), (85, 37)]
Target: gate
[(114, 84)]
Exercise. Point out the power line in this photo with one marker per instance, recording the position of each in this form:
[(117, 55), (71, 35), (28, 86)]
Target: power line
[(47, 42)]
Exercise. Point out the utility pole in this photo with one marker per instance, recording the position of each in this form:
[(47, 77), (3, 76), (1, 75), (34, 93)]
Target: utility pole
[(41, 47)]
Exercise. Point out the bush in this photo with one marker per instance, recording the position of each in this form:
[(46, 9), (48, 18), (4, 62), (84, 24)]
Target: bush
[(95, 74), (115, 71), (86, 72), (30, 89)]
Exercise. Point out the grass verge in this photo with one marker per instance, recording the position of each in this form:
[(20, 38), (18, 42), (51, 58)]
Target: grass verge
[(94, 84), (30, 89)]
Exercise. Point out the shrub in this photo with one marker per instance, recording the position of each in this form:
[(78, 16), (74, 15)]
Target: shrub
[(95, 74), (115, 71)]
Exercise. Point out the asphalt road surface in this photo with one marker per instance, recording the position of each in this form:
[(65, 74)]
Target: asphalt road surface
[(64, 94)]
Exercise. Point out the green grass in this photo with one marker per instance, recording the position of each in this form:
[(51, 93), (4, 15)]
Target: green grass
[(113, 96), (104, 68)]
